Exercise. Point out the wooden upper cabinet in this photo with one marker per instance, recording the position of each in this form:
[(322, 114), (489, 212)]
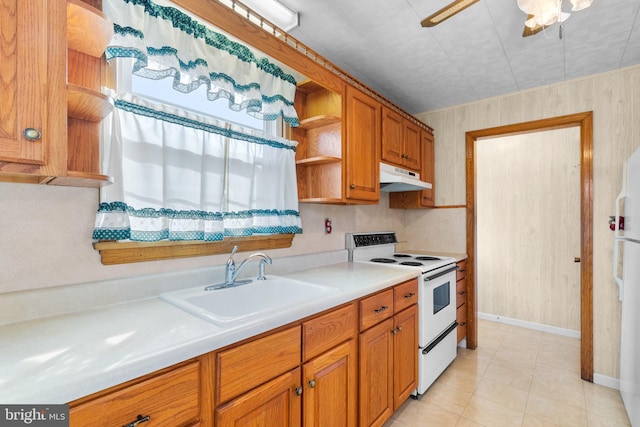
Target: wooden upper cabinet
[(362, 147), (422, 198), (412, 146), (392, 137), (401, 141), (32, 85), (38, 142), (427, 197)]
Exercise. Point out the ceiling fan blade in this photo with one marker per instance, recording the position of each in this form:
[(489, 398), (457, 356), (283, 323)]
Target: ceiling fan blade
[(447, 12), (528, 31)]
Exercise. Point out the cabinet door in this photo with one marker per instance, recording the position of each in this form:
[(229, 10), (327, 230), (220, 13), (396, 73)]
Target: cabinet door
[(273, 404), (330, 389), (362, 147), (392, 138), (31, 72), (405, 355), (376, 374), (427, 197), (412, 143)]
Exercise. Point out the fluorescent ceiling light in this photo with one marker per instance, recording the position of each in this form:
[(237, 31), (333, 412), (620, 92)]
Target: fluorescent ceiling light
[(274, 11)]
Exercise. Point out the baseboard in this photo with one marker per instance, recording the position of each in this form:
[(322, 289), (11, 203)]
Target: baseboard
[(599, 379), (530, 325), (606, 381)]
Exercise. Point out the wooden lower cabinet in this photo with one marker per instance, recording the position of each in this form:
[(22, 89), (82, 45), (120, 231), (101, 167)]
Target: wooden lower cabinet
[(461, 300), (170, 397), (376, 374), (274, 403), (388, 354), (405, 350), (318, 372), (330, 388)]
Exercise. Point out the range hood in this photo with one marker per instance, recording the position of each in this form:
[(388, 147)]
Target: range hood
[(394, 179)]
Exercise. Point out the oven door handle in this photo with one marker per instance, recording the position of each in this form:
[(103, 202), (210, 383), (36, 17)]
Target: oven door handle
[(442, 273)]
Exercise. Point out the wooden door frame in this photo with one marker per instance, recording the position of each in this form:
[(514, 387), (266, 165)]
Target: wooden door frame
[(585, 122)]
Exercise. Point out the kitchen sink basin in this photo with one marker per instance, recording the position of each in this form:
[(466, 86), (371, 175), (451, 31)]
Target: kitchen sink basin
[(230, 306)]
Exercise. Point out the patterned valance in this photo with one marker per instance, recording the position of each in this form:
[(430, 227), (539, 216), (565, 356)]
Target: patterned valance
[(165, 41)]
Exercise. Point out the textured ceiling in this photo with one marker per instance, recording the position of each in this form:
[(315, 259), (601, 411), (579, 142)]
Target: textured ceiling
[(476, 54)]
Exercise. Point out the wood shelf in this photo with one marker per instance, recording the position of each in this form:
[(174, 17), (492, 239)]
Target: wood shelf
[(88, 29), (87, 104), (82, 179), (330, 200), (319, 160), (309, 86), (318, 121), (112, 252)]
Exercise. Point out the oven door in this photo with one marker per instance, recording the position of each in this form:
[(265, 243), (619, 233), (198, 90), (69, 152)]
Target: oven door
[(437, 303)]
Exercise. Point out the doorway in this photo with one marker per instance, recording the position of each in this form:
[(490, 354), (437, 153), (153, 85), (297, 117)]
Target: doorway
[(584, 121)]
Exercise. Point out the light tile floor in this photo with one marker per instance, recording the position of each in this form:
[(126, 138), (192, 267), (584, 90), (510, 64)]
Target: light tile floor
[(516, 377)]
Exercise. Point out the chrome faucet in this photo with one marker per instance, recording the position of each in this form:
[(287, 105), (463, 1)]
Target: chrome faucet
[(231, 272)]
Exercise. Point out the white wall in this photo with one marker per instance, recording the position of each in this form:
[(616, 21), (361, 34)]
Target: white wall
[(528, 227), (614, 99)]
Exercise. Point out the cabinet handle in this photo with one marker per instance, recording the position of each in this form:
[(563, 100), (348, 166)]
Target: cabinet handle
[(352, 186), (463, 292), (396, 330), (462, 270), (410, 295), (381, 309), (462, 324), (298, 391), (138, 420), (32, 134), (312, 383)]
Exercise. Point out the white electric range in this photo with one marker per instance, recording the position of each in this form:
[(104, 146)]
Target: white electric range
[(437, 324)]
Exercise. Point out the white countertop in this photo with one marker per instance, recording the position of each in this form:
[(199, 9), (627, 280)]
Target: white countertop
[(62, 358)]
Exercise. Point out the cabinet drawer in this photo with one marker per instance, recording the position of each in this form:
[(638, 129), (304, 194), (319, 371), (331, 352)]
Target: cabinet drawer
[(461, 318), (461, 292), (171, 398), (376, 308), (461, 272), (405, 295), (327, 331), (244, 367)]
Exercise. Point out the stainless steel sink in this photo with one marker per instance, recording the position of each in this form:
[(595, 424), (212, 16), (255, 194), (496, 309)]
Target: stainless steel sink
[(230, 306)]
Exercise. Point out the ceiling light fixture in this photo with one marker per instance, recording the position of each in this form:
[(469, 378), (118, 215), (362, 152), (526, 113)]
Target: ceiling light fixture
[(542, 13), (447, 12), (274, 11)]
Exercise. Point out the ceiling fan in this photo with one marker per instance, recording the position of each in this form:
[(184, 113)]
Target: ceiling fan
[(543, 13), (446, 12)]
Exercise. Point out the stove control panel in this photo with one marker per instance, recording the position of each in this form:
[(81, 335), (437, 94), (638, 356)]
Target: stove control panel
[(374, 239)]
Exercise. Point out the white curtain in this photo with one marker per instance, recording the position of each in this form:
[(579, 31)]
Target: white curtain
[(180, 176), (167, 42)]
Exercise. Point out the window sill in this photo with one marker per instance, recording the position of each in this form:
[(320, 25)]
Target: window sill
[(112, 253)]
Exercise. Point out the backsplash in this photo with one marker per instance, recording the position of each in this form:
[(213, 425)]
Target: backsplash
[(49, 266)]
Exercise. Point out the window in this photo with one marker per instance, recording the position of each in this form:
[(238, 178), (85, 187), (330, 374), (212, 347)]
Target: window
[(181, 175)]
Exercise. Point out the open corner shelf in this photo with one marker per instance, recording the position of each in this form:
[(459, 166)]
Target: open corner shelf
[(319, 160), (88, 29), (82, 179), (87, 104), (318, 121)]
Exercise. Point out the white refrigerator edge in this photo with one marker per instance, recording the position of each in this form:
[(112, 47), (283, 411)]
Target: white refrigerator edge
[(629, 286)]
